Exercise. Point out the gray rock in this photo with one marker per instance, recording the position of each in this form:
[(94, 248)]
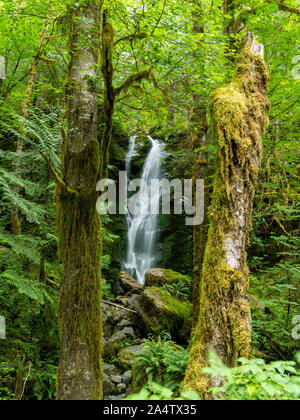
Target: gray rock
[(121, 388), (115, 397), (127, 356), (112, 315), (133, 302), (112, 345), (117, 379), (127, 376), (108, 385), (123, 324), (155, 277), (109, 370), (127, 332)]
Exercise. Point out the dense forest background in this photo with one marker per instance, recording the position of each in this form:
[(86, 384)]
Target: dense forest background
[(187, 49)]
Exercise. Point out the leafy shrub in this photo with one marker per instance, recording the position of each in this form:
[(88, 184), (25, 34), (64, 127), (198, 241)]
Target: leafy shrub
[(154, 391), (256, 380)]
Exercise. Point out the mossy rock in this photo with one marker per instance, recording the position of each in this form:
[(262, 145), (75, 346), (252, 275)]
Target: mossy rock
[(127, 356), (160, 276), (163, 312), (113, 344)]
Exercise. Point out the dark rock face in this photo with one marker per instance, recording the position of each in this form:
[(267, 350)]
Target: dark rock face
[(143, 146)]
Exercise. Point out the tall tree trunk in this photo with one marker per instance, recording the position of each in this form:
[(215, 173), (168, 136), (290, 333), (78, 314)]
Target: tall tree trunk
[(200, 170), (79, 375), (239, 111)]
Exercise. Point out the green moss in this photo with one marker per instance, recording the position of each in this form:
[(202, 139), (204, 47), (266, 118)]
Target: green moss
[(172, 315), (173, 278), (224, 324)]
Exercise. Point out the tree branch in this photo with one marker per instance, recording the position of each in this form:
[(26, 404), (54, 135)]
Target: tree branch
[(56, 177), (132, 37), (136, 77), (286, 8)]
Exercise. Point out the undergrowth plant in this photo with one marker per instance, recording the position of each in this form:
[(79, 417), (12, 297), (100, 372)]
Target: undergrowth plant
[(163, 362), (255, 379)]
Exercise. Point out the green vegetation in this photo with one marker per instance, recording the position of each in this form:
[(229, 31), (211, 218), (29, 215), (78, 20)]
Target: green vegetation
[(162, 362), (71, 94), (256, 380)]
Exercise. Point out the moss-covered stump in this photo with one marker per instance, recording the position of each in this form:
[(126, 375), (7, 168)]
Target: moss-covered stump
[(159, 277), (161, 311)]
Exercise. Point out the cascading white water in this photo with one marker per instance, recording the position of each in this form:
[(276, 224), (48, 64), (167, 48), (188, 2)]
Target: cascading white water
[(142, 236)]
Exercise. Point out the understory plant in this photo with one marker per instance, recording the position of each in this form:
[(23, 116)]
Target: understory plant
[(162, 362), (255, 379), (154, 391)]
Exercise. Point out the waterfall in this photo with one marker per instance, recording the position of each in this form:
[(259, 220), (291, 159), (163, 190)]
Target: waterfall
[(142, 235)]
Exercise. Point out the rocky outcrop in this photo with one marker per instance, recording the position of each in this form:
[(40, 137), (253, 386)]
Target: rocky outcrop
[(143, 310)]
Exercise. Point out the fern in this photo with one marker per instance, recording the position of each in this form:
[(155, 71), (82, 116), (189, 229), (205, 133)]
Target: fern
[(25, 285)]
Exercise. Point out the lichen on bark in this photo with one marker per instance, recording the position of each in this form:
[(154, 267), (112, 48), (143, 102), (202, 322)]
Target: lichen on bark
[(240, 116)]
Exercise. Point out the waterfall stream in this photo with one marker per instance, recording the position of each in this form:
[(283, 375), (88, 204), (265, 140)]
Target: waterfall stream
[(142, 233)]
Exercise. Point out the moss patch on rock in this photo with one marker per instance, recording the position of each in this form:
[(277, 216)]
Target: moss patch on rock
[(156, 277), (163, 312)]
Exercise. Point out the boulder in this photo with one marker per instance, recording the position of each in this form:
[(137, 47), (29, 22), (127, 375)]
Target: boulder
[(123, 324), (127, 376), (121, 388), (127, 356), (112, 345), (112, 316), (160, 311), (129, 284), (108, 386), (159, 277), (117, 379), (109, 370)]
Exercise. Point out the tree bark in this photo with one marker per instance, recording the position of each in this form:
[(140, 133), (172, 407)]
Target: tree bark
[(224, 324), (200, 171), (79, 374)]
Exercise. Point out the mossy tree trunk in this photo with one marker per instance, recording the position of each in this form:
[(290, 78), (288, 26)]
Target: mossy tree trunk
[(79, 374), (200, 170), (239, 111)]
